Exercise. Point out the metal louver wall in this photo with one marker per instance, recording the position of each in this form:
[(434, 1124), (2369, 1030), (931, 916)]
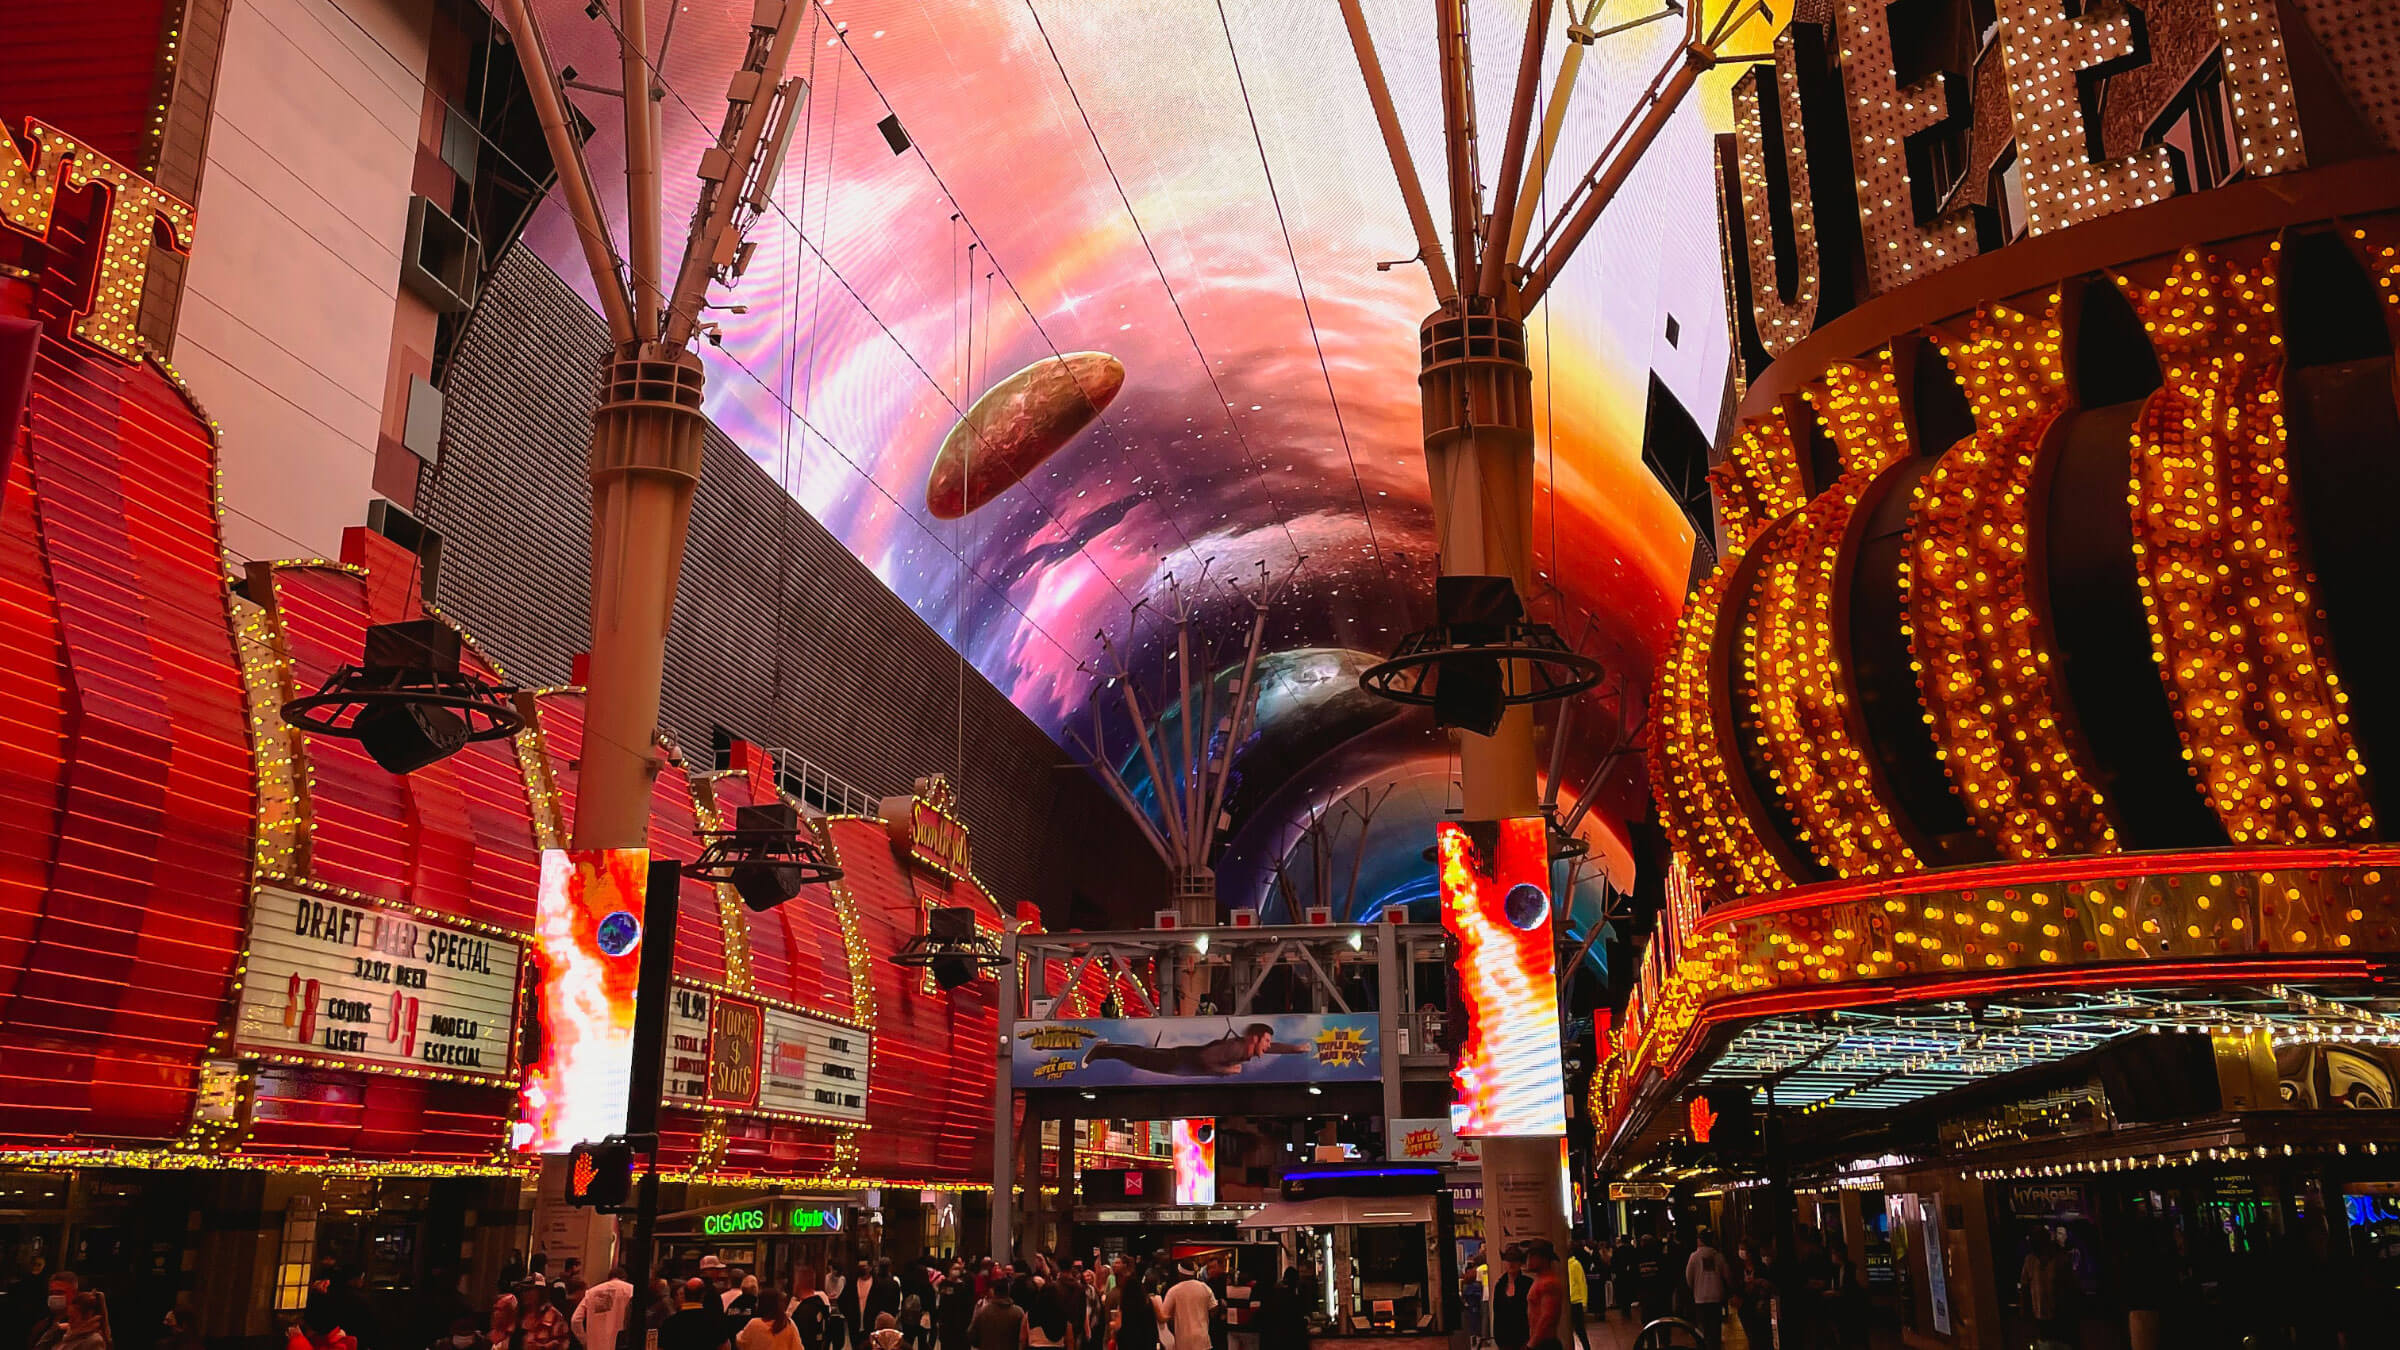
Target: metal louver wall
[(851, 678)]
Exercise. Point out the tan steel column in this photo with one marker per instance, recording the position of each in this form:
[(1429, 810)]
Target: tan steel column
[(1478, 402), (645, 464)]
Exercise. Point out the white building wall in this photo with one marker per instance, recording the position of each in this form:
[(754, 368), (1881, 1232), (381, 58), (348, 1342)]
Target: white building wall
[(287, 322)]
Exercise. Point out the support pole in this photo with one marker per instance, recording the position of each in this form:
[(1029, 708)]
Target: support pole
[(1395, 146), (1004, 1093), (1512, 151), (1390, 1007), (644, 467), (645, 227), (725, 167), (1458, 115), (1537, 167), (574, 176), (1605, 179), (1477, 392)]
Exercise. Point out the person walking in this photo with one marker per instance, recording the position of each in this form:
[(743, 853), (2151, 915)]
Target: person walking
[(1509, 1326), (1579, 1293), (1283, 1313), (1074, 1293), (1188, 1303), (1135, 1322), (2047, 1280), (851, 1302), (883, 1297), (1546, 1298), (698, 1322), (603, 1312), (999, 1324), (1846, 1302), (1707, 1279), (539, 1325), (954, 1310), (809, 1314), (771, 1329), (1473, 1284), (1758, 1275)]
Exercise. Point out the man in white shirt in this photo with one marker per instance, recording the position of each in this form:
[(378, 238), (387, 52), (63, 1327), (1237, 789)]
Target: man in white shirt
[(1188, 1305), (602, 1313), (1709, 1277)]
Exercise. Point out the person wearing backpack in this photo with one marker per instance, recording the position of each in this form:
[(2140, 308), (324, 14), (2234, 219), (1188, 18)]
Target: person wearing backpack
[(1707, 1278)]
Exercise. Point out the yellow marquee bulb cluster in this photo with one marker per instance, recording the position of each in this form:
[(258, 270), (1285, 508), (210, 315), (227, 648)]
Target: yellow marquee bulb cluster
[(1800, 713), (732, 920), (2048, 46), (1882, 118), (1698, 806), (2231, 606), (275, 843), (2258, 83), (1760, 481), (1781, 322), (1983, 657)]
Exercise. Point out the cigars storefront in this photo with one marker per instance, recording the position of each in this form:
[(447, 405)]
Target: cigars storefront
[(265, 1006)]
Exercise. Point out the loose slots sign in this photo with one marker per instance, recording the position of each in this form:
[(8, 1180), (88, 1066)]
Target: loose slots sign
[(362, 984)]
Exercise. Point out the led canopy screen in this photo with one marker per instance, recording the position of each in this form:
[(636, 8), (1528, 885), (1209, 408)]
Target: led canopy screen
[(1195, 1161), (587, 954), (1496, 903)]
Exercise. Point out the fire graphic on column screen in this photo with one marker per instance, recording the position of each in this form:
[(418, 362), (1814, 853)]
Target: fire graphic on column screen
[(588, 956), (1496, 903), (1195, 1160)]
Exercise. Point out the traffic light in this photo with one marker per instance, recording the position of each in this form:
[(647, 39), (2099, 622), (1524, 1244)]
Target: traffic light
[(600, 1176)]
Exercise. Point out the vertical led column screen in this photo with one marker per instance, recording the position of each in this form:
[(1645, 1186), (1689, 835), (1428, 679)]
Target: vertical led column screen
[(1196, 1161), (587, 962), (1495, 879)]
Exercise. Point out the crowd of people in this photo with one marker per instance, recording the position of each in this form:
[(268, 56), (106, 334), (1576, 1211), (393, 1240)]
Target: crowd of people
[(1813, 1297), (1040, 1303)]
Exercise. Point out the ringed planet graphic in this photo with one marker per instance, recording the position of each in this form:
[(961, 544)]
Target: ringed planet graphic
[(1017, 424)]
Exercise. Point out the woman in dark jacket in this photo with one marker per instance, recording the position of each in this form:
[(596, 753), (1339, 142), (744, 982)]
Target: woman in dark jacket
[(954, 1311), (1283, 1314)]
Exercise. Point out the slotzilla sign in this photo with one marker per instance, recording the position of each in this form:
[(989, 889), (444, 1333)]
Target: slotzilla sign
[(361, 984)]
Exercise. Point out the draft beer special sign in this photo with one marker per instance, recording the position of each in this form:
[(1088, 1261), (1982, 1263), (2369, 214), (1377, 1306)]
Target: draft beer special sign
[(376, 988)]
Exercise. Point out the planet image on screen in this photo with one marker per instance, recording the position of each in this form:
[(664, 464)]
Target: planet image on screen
[(618, 933), (1526, 906), (1017, 424)]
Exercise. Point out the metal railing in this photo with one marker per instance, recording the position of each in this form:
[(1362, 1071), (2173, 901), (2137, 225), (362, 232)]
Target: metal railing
[(818, 788)]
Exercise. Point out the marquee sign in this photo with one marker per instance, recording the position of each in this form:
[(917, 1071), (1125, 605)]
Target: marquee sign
[(760, 1058), (360, 984), (928, 824), (29, 188)]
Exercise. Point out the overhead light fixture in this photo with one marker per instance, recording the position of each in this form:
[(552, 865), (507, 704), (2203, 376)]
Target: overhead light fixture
[(1482, 657), (408, 704), (1358, 939), (952, 947), (1315, 1091), (1200, 944), (766, 857)]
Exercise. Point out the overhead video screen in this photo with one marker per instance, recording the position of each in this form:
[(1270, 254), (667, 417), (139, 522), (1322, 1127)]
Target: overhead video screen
[(587, 962), (1118, 312), (1495, 878)]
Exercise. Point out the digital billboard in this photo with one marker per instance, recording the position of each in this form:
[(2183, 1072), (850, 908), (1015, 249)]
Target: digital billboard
[(1495, 890), (1195, 1160), (1029, 398), (1190, 1051), (587, 964)]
